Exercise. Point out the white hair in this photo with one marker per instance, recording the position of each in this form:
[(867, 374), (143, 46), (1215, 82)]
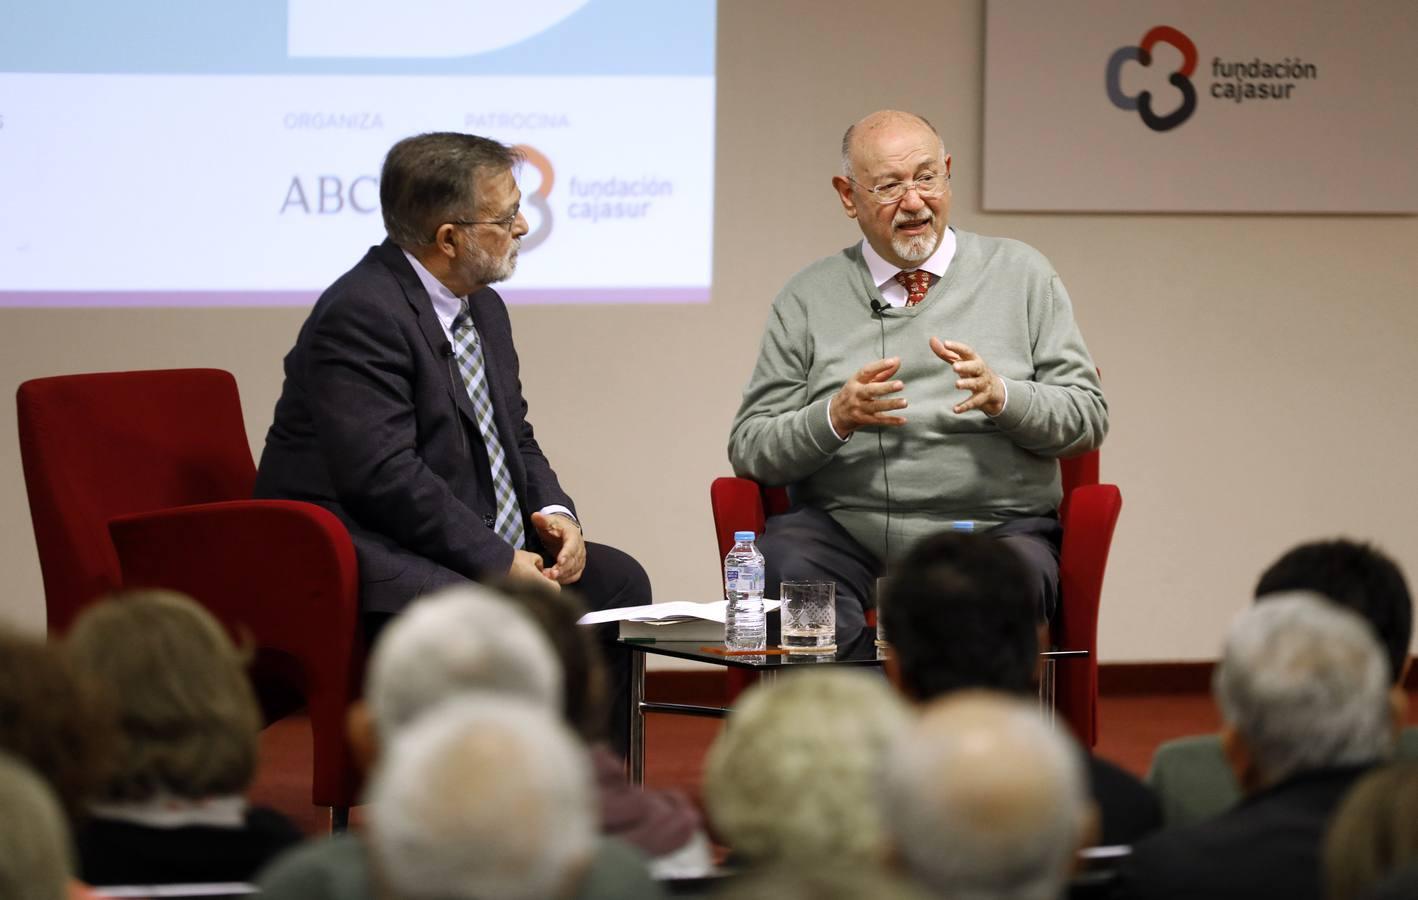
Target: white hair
[(986, 800), (794, 771), (484, 798), (1305, 684), (34, 840), (462, 639)]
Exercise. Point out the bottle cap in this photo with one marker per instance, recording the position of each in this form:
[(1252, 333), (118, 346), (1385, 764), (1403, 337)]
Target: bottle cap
[(743, 536)]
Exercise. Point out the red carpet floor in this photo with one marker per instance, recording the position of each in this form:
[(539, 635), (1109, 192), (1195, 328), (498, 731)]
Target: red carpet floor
[(1131, 727)]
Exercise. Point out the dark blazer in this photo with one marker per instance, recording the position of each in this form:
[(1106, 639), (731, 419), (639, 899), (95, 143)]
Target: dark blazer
[(1268, 846), (374, 423)]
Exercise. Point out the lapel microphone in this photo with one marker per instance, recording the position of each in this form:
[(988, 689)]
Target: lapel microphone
[(877, 306)]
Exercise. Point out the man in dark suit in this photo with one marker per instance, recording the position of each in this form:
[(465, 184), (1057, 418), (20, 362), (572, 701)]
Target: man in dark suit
[(402, 409), (1304, 691)]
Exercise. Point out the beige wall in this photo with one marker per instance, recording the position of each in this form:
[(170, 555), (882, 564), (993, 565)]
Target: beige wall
[(1258, 368)]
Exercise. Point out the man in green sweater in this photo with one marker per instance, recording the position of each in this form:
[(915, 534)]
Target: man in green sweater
[(955, 354)]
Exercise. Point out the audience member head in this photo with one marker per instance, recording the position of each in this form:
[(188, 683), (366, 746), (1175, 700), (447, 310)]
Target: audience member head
[(960, 615), (1356, 576), (52, 719), (986, 800), (460, 640), (35, 860), (484, 797), (1374, 832), (582, 666), (1302, 685), (793, 774), (848, 880), (188, 717)]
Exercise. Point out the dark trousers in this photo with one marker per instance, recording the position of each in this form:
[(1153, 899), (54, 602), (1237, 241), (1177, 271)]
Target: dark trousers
[(612, 578), (807, 544)]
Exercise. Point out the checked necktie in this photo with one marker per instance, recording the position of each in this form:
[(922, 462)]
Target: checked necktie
[(916, 283), (468, 352)]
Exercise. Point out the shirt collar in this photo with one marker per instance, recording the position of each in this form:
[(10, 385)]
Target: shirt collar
[(446, 304), (883, 271)]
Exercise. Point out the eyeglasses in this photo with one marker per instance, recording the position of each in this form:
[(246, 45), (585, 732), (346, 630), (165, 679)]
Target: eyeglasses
[(507, 221), (929, 184)]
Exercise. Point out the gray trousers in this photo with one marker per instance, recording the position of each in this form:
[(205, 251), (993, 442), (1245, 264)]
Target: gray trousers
[(806, 544)]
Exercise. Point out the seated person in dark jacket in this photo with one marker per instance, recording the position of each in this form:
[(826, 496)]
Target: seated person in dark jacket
[(465, 641), (1304, 694), (1190, 774), (959, 614), (173, 809)]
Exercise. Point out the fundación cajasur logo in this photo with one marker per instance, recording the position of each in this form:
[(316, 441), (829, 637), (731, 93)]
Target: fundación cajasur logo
[(1180, 79), (538, 198), (1236, 81)]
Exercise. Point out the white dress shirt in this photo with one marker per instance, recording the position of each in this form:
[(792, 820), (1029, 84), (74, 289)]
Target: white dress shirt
[(447, 305)]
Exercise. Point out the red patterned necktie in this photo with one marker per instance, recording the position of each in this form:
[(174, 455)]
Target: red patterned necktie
[(916, 284)]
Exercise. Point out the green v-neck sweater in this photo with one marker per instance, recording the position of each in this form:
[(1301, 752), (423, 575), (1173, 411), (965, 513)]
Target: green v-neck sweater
[(1001, 297)]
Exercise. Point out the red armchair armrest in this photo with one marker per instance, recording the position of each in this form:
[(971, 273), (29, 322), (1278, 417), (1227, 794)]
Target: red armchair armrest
[(282, 572)]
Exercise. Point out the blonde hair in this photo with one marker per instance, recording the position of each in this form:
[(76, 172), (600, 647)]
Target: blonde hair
[(794, 773), (35, 858), (1374, 833), (188, 717)]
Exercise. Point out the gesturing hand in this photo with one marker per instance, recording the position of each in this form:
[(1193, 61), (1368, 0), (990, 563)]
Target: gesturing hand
[(973, 375), (863, 399), (562, 536)]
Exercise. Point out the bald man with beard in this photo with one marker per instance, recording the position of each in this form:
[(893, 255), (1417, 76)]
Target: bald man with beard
[(956, 354)]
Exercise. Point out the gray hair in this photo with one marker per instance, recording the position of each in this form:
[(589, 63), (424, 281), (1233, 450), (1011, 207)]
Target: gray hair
[(987, 801), (1305, 684), (461, 639), (852, 130), (431, 178), (484, 797), (34, 842), (793, 773)]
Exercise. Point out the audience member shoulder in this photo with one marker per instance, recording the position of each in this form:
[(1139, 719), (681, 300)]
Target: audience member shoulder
[(336, 868)]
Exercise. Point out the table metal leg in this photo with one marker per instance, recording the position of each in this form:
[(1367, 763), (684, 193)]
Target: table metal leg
[(1046, 689), (636, 762)]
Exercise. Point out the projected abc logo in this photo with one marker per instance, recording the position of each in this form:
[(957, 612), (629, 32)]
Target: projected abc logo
[(1180, 79), (329, 195)]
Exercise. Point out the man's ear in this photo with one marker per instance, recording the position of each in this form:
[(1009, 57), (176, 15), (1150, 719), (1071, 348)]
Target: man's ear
[(1239, 759), (844, 193), (1398, 708), (364, 741), (892, 665), (947, 165), (1089, 834), (445, 242)]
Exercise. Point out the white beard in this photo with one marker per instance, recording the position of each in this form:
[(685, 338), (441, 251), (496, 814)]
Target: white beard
[(916, 249)]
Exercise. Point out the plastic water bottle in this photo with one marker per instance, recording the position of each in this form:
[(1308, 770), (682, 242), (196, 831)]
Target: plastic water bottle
[(745, 627)]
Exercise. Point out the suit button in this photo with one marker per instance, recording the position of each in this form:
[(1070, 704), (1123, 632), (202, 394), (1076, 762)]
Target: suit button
[(489, 521)]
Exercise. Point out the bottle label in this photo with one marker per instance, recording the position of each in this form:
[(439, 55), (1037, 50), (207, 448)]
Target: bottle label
[(743, 580)]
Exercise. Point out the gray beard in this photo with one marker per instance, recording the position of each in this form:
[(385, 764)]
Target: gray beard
[(916, 249)]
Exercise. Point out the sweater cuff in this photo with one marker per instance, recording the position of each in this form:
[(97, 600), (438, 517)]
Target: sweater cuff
[(819, 426), (1019, 398)]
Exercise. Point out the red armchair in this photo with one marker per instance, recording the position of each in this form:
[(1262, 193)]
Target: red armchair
[(1089, 513), (143, 479)]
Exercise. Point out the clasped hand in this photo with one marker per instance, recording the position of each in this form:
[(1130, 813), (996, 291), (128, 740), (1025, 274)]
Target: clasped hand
[(560, 535)]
